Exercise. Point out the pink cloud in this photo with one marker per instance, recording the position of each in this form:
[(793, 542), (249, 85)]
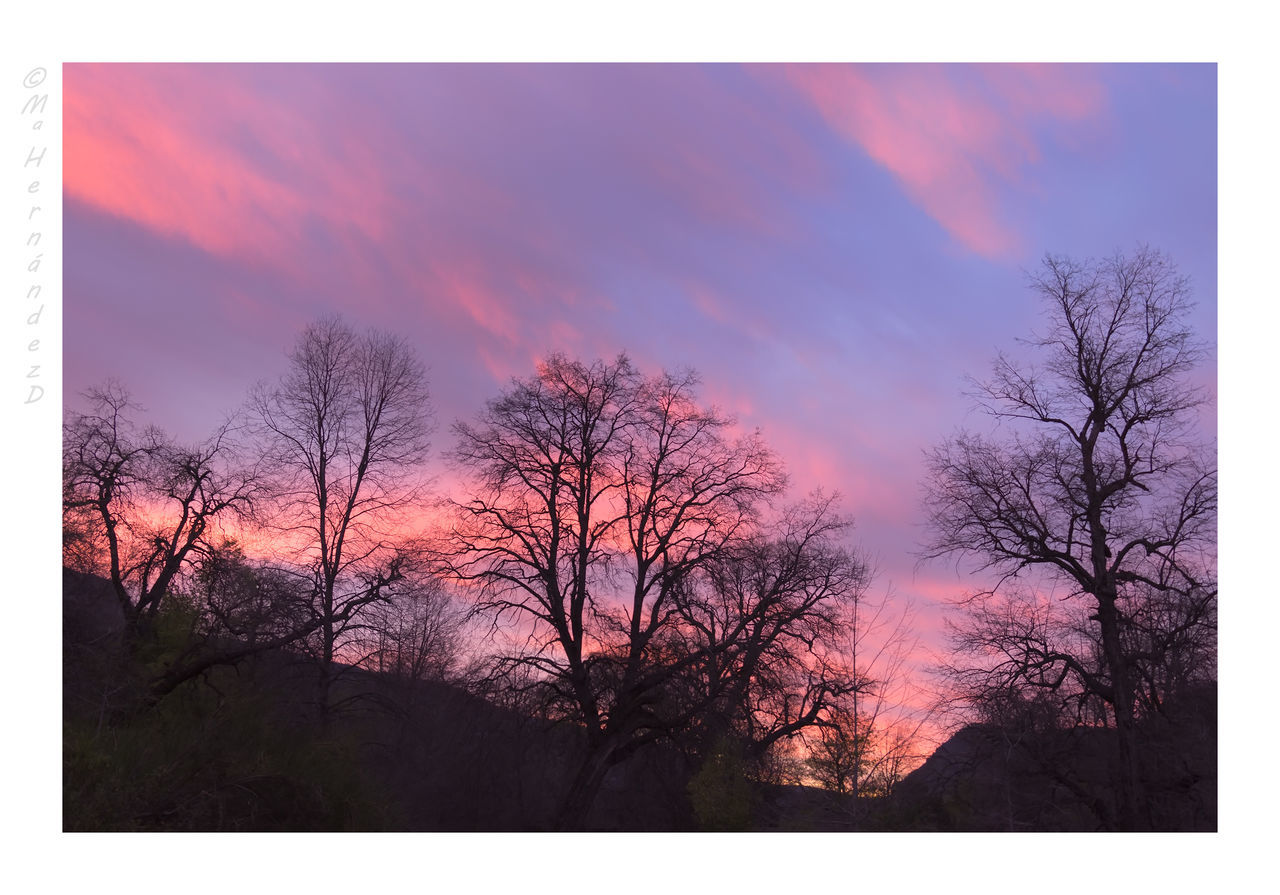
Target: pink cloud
[(722, 311), (162, 146), (1067, 92), (486, 310), (704, 181), (250, 163), (719, 150), (952, 145), (733, 401)]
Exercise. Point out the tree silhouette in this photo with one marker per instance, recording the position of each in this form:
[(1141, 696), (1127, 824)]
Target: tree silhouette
[(1100, 483), (343, 432), (139, 508), (872, 736), (768, 620), (599, 500)]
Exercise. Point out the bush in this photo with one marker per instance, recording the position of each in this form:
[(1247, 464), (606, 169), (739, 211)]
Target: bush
[(721, 792)]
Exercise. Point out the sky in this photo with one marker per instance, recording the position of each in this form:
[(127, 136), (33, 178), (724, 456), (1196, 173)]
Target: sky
[(1137, 171), (833, 248)]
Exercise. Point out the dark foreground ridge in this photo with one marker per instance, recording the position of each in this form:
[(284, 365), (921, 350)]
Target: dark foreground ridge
[(239, 749)]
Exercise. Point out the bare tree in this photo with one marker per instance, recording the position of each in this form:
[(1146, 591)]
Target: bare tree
[(839, 753), (343, 434), (874, 734), (140, 508), (768, 620), (416, 634), (1100, 482), (250, 600), (887, 718), (596, 494), (1171, 639), (147, 514), (241, 607)]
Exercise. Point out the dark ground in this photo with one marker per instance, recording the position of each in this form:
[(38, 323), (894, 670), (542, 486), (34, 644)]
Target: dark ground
[(241, 749)]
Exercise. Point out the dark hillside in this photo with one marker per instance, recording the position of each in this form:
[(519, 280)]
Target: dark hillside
[(987, 778), (240, 749)]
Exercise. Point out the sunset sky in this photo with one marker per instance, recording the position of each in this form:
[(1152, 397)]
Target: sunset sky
[(832, 247)]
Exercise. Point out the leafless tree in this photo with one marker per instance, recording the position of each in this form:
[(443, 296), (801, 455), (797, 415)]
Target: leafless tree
[(839, 753), (597, 498), (147, 514), (416, 634), (1009, 644), (1099, 482), (139, 507), (768, 620), (874, 734), (1171, 639), (239, 607), (343, 434)]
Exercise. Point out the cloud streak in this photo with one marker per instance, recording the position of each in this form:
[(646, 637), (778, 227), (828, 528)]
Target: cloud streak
[(954, 138), (832, 247)]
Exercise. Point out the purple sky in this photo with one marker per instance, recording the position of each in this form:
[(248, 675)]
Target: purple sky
[(833, 247)]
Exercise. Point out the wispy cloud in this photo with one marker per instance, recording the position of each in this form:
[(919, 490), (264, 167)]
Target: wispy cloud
[(775, 227), (206, 154), (954, 137)]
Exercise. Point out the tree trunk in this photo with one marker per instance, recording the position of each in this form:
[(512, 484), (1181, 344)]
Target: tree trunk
[(324, 683), (576, 807), (1130, 816)]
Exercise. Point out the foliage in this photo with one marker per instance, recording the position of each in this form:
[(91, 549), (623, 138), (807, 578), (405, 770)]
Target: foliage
[(721, 792), (223, 753)]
